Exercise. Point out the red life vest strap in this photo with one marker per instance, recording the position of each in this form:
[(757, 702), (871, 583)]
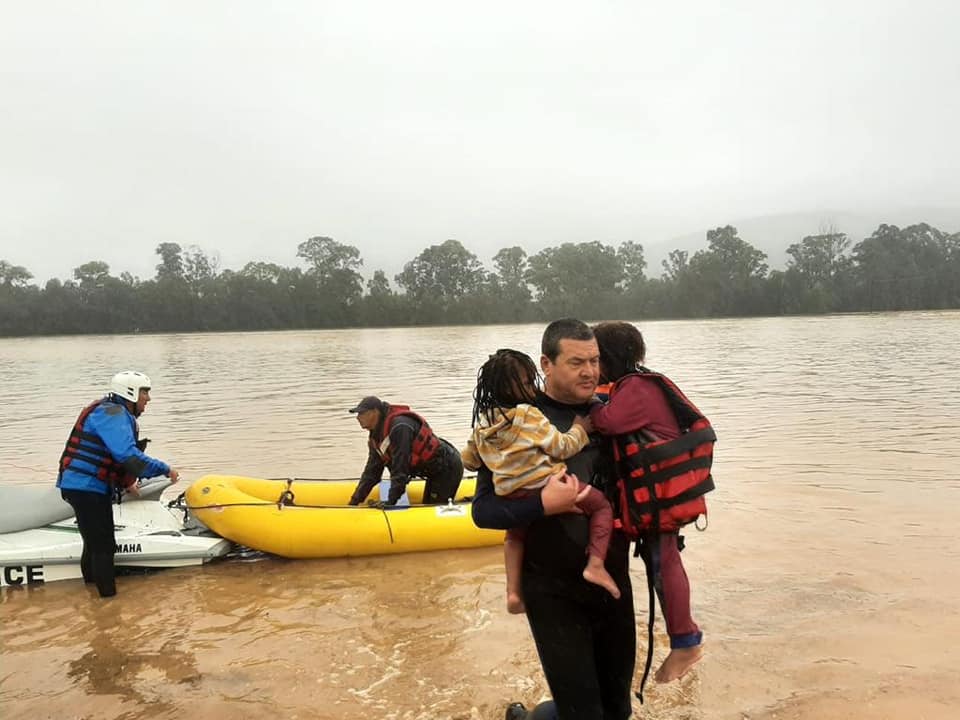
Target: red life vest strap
[(687, 442)]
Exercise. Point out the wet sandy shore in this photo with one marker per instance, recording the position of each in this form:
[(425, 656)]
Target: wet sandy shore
[(828, 615)]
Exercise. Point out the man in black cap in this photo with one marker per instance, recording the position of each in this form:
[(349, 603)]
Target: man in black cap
[(402, 441)]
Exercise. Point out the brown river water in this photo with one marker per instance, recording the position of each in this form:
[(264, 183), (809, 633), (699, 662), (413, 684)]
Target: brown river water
[(827, 584)]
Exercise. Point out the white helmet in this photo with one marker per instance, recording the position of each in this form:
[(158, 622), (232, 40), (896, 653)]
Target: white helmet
[(127, 384)]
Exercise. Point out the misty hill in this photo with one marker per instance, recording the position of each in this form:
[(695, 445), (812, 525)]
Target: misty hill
[(773, 234)]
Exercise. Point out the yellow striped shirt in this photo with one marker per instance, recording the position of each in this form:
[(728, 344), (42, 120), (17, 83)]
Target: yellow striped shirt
[(521, 448)]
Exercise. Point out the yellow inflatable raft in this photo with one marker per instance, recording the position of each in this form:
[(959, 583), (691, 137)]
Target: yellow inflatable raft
[(302, 518)]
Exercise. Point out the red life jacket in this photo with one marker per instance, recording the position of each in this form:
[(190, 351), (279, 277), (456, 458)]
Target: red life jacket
[(662, 483), (425, 444), (93, 452)]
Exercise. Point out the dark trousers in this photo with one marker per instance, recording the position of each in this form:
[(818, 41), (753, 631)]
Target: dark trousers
[(586, 641), (94, 513), (442, 475), (661, 555)]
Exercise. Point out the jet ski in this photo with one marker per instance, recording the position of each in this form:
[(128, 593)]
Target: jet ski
[(150, 533), (24, 507)]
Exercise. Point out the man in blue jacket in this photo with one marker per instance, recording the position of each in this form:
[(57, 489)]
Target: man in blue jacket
[(104, 453)]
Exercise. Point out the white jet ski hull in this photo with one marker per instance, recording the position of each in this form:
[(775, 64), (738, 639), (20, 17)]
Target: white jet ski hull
[(148, 535), (24, 507)]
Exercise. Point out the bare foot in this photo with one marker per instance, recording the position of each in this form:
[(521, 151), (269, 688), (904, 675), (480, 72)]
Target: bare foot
[(678, 663), (515, 604), (596, 573)]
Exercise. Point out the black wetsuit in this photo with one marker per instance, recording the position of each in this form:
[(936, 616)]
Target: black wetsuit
[(586, 640), (94, 514)]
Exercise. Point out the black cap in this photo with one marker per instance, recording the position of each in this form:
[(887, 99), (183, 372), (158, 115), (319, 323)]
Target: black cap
[(370, 402)]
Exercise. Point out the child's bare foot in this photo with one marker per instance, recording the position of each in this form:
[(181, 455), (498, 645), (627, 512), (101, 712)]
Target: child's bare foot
[(515, 604), (678, 663), (596, 573)]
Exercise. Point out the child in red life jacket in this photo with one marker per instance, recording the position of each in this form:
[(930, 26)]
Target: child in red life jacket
[(638, 405), (522, 449)]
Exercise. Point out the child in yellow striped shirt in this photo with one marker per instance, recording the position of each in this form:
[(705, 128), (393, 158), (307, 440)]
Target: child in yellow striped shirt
[(522, 449)]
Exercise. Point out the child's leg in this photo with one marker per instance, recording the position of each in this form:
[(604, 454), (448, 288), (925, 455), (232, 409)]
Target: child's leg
[(674, 586), (595, 505), (513, 559)]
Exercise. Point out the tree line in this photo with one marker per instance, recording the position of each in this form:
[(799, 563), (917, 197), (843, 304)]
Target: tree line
[(913, 268)]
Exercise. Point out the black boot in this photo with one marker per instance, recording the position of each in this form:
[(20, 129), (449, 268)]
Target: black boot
[(516, 711)]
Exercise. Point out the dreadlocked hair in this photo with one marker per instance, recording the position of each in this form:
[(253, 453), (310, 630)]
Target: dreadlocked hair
[(622, 349), (499, 383)]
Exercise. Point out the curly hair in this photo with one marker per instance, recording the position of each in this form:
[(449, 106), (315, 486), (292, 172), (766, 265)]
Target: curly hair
[(500, 381), (622, 349)]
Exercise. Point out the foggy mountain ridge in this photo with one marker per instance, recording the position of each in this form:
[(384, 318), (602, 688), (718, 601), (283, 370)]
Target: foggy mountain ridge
[(773, 234)]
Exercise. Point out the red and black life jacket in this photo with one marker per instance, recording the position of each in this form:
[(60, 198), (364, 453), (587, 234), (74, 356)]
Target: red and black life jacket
[(662, 483), (93, 452), (425, 444)]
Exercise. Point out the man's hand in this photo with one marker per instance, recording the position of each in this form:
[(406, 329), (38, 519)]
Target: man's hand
[(133, 489), (380, 504), (561, 494), (174, 474)]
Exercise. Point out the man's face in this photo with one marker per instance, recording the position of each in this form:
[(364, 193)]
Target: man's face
[(368, 419), (142, 399), (573, 376)]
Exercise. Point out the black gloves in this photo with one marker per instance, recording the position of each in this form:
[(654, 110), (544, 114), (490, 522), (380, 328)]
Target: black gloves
[(380, 504)]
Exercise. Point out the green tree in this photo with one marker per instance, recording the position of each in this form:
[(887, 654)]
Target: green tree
[(335, 269), (440, 280), (379, 286), (169, 299), (16, 299), (198, 267), (817, 256), (670, 295), (726, 278), (508, 296), (950, 273), (576, 279), (57, 313), (262, 272), (904, 269), (636, 296), (676, 264), (104, 303), (631, 258), (334, 265), (14, 275), (811, 282), (931, 250), (248, 301), (92, 274), (171, 261), (380, 307)]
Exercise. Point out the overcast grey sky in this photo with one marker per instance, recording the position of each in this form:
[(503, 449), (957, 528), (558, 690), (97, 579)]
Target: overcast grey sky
[(246, 127)]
